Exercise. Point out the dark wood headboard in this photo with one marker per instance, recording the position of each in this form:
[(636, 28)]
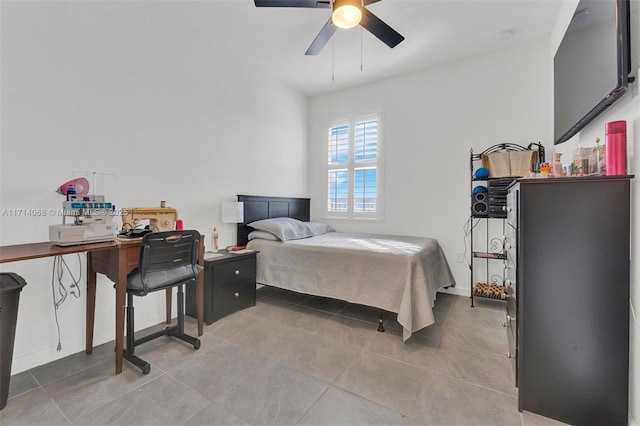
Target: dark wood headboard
[(257, 207)]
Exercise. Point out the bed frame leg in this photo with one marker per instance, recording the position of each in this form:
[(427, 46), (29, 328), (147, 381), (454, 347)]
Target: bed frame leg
[(380, 323)]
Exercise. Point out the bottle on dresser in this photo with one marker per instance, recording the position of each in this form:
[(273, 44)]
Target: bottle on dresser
[(214, 240)]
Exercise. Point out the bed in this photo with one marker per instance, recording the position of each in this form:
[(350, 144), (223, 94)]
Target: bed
[(400, 274)]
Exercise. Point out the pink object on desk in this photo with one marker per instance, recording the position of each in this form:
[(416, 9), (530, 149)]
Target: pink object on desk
[(80, 187), (616, 147), (179, 225)]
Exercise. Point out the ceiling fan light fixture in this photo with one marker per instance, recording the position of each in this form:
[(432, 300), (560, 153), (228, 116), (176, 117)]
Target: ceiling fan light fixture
[(346, 14)]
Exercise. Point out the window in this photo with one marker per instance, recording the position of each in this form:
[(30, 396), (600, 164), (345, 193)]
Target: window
[(354, 172)]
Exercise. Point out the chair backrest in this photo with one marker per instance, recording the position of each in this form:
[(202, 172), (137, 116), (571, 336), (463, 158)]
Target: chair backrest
[(168, 258)]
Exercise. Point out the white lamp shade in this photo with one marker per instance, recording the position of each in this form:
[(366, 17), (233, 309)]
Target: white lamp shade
[(232, 212)]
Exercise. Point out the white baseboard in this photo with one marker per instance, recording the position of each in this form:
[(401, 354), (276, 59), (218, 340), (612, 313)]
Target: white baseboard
[(47, 355), (31, 360), (458, 291)]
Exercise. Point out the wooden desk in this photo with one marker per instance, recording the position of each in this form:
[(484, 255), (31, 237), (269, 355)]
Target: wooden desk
[(113, 259)]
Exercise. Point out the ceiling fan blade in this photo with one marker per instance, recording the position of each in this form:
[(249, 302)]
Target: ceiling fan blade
[(312, 4), (322, 38), (378, 28)]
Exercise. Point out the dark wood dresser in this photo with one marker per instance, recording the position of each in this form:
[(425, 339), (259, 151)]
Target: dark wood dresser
[(568, 297)]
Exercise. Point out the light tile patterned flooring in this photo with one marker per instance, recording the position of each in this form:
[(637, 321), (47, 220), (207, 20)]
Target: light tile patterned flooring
[(291, 360)]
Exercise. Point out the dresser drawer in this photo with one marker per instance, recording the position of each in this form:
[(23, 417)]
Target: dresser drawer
[(234, 272), (510, 270), (513, 351), (512, 205), (511, 327), (510, 234), (232, 298), (511, 252), (511, 304)]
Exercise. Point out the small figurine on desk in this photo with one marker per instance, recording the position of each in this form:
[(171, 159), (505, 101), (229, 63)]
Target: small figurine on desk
[(214, 240), (600, 159), (557, 165), (544, 168)]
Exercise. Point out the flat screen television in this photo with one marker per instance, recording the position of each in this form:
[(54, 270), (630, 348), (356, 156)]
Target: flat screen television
[(592, 65)]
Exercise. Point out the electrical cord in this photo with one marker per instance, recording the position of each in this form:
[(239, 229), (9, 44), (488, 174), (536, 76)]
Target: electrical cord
[(57, 274)]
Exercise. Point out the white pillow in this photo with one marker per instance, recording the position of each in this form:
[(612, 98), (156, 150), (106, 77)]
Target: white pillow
[(285, 228), (262, 235), (318, 228)]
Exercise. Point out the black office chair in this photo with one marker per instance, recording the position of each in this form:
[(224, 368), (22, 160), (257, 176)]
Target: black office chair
[(167, 259)]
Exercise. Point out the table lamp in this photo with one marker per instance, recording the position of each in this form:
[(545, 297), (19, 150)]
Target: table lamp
[(232, 212)]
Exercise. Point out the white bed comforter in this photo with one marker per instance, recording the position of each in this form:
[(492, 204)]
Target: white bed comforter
[(396, 273)]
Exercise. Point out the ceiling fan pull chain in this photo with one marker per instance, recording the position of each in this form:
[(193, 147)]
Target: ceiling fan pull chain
[(333, 60), (361, 48)]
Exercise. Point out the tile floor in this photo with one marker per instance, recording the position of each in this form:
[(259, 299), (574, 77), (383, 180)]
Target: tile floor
[(291, 360)]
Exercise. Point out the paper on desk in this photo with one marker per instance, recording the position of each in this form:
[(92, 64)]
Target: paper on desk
[(241, 251)]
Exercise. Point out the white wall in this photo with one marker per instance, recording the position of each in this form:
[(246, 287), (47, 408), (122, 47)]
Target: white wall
[(627, 108), (137, 90), (434, 118)]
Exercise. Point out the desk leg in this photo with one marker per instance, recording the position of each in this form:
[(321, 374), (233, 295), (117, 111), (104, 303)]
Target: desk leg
[(121, 292), (199, 303), (168, 294), (200, 290), (91, 304)]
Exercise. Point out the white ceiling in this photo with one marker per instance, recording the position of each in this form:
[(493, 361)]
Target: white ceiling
[(435, 31)]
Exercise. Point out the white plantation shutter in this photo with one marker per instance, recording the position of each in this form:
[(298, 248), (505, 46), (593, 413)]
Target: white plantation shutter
[(365, 190), (365, 178), (339, 145), (338, 190), (366, 141), (354, 169)]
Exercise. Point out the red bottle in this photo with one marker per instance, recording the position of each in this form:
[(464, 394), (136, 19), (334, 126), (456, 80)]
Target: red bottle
[(616, 147)]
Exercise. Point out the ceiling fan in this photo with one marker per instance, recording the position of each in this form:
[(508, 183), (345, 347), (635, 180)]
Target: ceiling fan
[(345, 14)]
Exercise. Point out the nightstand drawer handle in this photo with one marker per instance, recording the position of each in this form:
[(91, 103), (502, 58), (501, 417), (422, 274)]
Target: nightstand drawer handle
[(237, 272), (236, 294)]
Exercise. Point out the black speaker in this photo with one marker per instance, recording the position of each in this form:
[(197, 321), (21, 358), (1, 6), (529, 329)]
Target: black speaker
[(480, 204)]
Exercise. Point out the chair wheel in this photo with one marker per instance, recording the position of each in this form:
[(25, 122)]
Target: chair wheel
[(146, 369), (196, 345)]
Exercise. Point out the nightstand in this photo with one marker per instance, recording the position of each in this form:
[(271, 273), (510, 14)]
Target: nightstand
[(229, 285)]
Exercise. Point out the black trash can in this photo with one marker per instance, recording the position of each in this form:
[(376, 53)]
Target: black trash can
[(10, 287)]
